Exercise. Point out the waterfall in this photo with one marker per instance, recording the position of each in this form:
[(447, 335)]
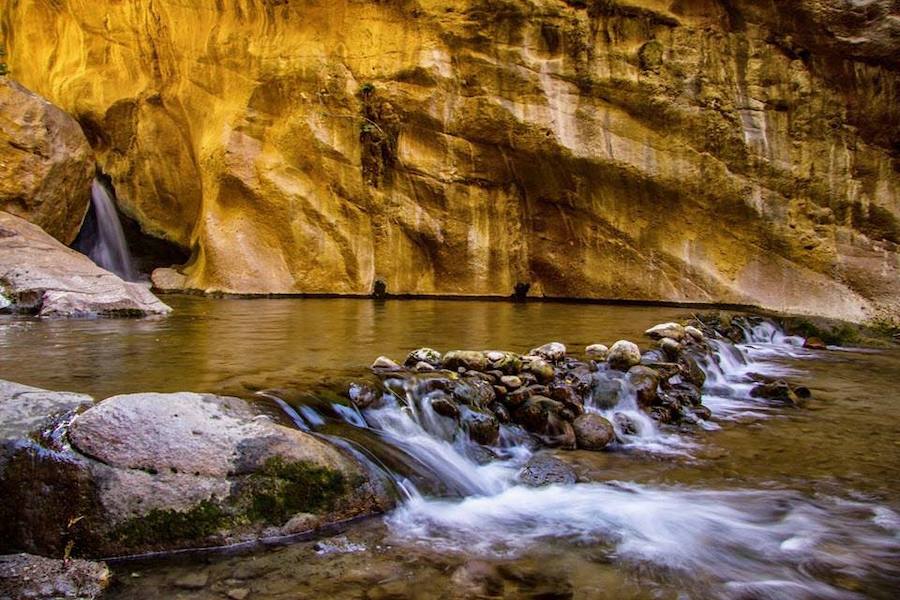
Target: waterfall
[(101, 236)]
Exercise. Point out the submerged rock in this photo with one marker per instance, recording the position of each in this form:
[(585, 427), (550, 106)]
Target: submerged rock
[(814, 343), (779, 391), (28, 576), (623, 355), (593, 432), (545, 469), (38, 275), (148, 472)]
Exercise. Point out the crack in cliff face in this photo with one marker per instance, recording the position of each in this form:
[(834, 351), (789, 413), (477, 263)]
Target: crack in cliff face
[(468, 147)]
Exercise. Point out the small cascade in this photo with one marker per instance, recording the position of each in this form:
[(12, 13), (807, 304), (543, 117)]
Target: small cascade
[(461, 496), (102, 238)]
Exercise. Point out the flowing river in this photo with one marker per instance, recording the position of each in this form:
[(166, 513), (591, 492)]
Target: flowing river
[(760, 501)]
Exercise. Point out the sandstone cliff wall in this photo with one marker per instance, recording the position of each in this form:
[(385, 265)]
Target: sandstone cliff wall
[(696, 150)]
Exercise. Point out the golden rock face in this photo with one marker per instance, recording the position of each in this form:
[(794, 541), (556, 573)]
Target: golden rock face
[(692, 150), (46, 164)]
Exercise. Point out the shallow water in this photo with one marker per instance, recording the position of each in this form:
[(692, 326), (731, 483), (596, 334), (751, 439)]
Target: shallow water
[(764, 502)]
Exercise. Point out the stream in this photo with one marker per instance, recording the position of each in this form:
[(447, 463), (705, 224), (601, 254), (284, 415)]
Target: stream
[(759, 501)]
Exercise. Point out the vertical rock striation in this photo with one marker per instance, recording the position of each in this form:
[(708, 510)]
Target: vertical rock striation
[(693, 150)]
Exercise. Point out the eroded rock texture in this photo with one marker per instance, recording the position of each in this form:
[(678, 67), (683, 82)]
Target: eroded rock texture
[(46, 164), (697, 150)]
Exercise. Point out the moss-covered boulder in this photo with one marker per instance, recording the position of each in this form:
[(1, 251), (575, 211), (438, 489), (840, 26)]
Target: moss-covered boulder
[(149, 472)]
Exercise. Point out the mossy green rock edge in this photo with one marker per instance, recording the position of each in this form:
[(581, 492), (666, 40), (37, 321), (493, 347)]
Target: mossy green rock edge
[(271, 496)]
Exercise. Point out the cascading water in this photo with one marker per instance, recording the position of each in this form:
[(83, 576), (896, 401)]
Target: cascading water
[(715, 543), (102, 237)]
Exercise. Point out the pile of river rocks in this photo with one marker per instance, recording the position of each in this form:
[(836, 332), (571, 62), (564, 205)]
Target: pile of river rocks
[(546, 391)]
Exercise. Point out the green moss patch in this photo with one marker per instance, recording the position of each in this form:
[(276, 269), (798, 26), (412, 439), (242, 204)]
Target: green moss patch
[(282, 489), (271, 496), (169, 527)]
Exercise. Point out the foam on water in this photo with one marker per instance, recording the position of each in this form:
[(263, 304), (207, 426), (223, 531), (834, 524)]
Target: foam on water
[(718, 543), (737, 539)]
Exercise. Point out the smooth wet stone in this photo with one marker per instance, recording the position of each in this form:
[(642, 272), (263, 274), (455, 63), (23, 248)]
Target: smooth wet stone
[(566, 394), (645, 382), (545, 469), (25, 409), (541, 369), (28, 576), (424, 355), (623, 355), (593, 432), (625, 424), (41, 276), (483, 428), (814, 343), (597, 351), (508, 363), (465, 359), (511, 382), (694, 333), (474, 392), (666, 330), (443, 405), (383, 363), (779, 391), (363, 395), (535, 414), (670, 348), (149, 472), (517, 397), (552, 352), (691, 370), (607, 390), (424, 367), (702, 412), (682, 395)]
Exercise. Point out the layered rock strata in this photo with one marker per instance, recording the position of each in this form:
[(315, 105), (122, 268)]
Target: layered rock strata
[(693, 150)]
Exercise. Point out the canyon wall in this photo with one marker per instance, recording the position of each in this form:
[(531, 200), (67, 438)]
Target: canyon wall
[(692, 150)]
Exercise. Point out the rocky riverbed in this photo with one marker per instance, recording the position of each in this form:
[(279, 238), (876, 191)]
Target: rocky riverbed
[(151, 472)]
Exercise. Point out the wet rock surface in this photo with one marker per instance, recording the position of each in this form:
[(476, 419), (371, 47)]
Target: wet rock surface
[(148, 472), (26, 576), (546, 469), (38, 275)]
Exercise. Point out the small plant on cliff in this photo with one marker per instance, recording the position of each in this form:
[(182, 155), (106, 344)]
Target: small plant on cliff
[(4, 70), (378, 134)]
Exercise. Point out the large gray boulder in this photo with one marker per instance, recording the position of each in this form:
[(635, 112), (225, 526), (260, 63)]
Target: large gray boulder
[(41, 276), (25, 409), (148, 472)]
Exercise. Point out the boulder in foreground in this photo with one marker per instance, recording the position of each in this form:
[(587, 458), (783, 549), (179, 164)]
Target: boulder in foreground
[(150, 472), (38, 275)]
